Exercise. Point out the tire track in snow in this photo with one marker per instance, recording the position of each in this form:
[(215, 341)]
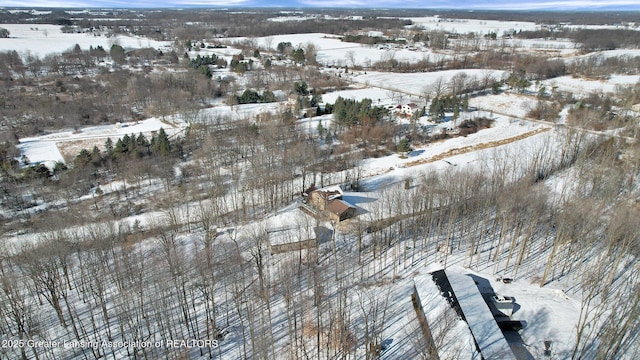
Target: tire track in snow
[(476, 147)]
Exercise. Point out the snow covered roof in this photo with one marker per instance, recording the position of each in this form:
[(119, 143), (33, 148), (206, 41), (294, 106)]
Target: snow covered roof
[(483, 326), (332, 192)]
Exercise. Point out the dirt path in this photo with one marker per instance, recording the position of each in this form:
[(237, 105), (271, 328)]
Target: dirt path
[(476, 147)]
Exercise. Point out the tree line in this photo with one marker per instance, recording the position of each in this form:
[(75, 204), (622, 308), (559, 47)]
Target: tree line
[(349, 112)]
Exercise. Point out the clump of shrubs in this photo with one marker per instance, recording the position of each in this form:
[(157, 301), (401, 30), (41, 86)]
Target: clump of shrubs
[(472, 126)]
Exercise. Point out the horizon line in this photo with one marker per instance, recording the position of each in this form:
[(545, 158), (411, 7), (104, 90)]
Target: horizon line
[(308, 7)]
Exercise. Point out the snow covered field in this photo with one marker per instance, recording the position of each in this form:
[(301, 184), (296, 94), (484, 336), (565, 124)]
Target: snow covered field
[(507, 103), (464, 26), (331, 51), (583, 87), (419, 84), (43, 39)]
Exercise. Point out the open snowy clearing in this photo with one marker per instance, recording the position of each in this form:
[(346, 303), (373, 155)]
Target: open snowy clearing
[(378, 96), (419, 84), (226, 113), (47, 148), (507, 103), (560, 47), (42, 39), (583, 87), (464, 26), (332, 51), (623, 53)]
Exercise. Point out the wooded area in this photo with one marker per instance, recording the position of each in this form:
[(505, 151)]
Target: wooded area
[(184, 244)]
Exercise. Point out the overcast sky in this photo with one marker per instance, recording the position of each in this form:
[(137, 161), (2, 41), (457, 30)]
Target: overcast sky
[(582, 5)]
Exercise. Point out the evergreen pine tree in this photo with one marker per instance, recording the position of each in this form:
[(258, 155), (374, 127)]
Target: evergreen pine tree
[(122, 146), (96, 156), (108, 148), (143, 144), (160, 143), (82, 159)]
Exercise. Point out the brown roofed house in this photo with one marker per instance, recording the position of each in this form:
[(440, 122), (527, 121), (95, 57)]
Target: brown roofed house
[(329, 200)]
